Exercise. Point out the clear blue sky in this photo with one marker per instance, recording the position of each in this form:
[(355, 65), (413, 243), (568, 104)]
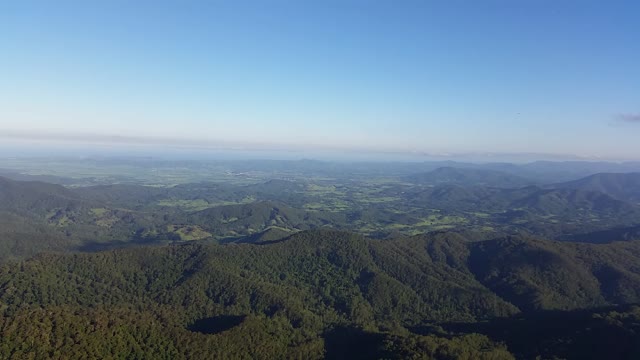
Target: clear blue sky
[(442, 76)]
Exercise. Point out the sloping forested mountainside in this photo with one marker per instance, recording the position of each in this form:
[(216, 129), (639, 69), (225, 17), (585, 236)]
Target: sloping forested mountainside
[(625, 233), (551, 213), (24, 208), (542, 274), (556, 202), (317, 293), (30, 198), (622, 186), (600, 333)]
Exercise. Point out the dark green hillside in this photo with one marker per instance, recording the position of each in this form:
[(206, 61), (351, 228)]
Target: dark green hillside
[(302, 296), (626, 233), (38, 217), (21, 238), (569, 202), (28, 211), (295, 298), (554, 171), (542, 274), (34, 197), (457, 198), (625, 187), (601, 333)]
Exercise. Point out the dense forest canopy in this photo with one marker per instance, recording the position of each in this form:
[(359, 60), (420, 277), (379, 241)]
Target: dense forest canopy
[(316, 293), (446, 262)]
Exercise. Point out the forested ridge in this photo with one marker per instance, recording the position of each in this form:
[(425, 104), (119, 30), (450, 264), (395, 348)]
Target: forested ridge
[(303, 296)]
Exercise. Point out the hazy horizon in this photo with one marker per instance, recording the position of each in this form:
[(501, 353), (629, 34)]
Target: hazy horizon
[(529, 80), (189, 151)]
